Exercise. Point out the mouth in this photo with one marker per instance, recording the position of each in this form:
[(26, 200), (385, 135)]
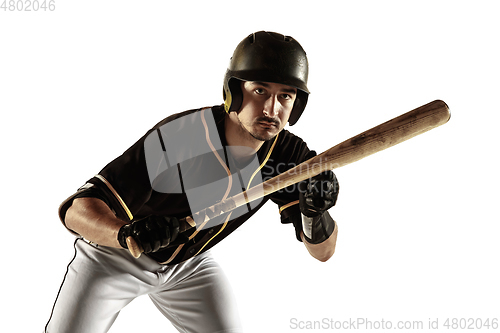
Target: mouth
[(268, 123)]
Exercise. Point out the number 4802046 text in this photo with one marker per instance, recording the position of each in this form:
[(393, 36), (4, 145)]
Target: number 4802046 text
[(28, 5)]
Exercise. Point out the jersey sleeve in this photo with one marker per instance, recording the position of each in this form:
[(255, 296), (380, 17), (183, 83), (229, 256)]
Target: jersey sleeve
[(124, 183)]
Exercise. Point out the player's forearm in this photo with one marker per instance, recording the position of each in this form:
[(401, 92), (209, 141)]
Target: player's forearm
[(93, 219), (324, 250)]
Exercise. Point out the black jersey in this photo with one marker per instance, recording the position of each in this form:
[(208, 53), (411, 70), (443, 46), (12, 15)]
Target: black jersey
[(162, 174)]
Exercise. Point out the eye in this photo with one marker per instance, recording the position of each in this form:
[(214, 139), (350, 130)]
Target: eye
[(290, 97), (260, 91)]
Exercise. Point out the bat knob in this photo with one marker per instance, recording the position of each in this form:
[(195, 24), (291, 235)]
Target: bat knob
[(134, 248)]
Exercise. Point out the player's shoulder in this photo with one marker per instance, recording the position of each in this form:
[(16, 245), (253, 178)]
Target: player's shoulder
[(287, 139), (291, 147), (217, 112)]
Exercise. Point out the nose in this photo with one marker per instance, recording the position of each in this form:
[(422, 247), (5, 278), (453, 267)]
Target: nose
[(271, 106)]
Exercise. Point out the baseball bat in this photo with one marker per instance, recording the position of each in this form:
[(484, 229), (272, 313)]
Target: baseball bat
[(383, 136)]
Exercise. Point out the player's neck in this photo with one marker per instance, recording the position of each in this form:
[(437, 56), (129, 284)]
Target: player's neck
[(236, 135)]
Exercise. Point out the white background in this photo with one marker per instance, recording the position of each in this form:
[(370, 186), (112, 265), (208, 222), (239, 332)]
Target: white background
[(418, 223)]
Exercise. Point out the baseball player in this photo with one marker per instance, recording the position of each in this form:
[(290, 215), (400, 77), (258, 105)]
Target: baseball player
[(185, 163)]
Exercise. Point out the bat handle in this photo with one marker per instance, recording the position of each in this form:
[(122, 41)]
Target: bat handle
[(134, 248)]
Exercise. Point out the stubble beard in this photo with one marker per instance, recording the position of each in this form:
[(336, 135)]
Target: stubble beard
[(256, 136)]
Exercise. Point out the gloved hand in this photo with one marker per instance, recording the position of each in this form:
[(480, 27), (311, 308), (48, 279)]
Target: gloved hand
[(151, 233), (318, 194)]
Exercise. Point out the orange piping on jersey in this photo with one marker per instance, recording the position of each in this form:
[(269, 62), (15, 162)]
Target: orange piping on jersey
[(176, 252), (221, 161), (223, 226), (230, 184), (122, 203), (250, 181), (265, 161), (251, 178), (282, 208)]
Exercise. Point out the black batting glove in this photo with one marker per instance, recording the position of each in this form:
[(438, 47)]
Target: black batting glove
[(318, 194), (151, 233)]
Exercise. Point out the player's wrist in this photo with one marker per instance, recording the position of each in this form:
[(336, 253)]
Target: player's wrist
[(318, 228)]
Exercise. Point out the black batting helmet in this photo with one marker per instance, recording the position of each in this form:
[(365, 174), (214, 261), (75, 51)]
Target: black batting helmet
[(267, 57)]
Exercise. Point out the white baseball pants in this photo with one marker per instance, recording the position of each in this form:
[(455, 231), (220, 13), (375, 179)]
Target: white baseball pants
[(194, 295)]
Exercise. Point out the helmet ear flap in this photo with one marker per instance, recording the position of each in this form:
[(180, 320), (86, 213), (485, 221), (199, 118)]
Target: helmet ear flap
[(298, 107), (233, 96)]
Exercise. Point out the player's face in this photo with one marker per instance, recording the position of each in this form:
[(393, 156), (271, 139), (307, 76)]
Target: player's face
[(266, 108)]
